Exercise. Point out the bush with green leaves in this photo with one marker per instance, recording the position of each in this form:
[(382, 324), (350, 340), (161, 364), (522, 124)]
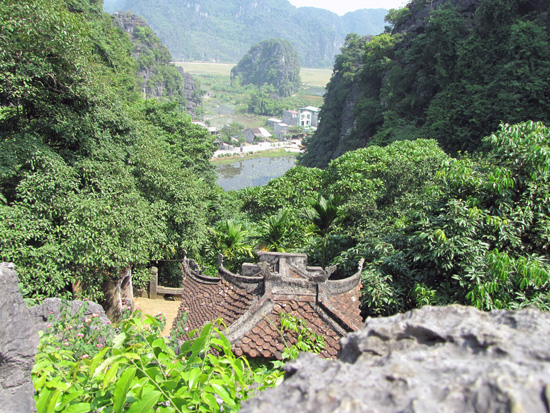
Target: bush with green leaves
[(139, 372), (232, 240), (433, 229), (83, 335), (478, 235), (296, 329)]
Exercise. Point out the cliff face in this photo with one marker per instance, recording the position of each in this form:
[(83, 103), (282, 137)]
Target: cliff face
[(18, 343), (160, 78), (450, 70), (193, 94), (338, 112), (271, 62)]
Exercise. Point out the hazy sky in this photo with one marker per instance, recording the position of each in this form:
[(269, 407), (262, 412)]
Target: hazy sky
[(343, 6)]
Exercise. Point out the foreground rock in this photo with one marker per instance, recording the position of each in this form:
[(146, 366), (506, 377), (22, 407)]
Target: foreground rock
[(18, 344), (435, 359), (52, 308)]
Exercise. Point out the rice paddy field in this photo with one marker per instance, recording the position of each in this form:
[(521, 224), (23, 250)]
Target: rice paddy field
[(313, 77)]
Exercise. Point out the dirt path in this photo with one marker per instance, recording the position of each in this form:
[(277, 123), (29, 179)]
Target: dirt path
[(153, 307)]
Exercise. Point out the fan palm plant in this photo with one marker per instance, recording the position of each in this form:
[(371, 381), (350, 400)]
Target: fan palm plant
[(231, 240), (276, 233), (323, 215)]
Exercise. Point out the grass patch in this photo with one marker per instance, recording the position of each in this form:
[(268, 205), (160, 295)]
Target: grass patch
[(271, 153)]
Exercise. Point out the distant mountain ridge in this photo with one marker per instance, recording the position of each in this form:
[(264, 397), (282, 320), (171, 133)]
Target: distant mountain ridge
[(224, 31)]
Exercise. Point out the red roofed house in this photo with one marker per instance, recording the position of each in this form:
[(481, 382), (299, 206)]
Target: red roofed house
[(250, 303)]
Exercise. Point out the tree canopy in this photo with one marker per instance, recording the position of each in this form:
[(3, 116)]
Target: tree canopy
[(93, 179)]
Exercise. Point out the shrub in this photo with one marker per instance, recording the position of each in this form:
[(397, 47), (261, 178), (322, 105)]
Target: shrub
[(140, 372)]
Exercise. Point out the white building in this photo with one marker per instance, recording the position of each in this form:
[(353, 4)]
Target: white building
[(256, 135)]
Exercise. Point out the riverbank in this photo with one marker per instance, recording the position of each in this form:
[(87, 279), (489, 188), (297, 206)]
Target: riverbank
[(261, 149), (269, 153)]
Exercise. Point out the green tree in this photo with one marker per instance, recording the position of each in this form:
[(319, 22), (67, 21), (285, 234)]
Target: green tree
[(92, 180), (265, 102), (295, 189), (324, 215), (232, 130), (479, 235)]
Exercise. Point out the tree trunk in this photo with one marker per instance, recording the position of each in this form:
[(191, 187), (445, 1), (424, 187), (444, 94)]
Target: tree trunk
[(119, 295)]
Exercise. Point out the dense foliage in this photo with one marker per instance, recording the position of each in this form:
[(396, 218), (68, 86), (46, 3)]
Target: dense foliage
[(92, 178), (443, 73), (433, 229), (137, 370), (271, 62), (207, 30)]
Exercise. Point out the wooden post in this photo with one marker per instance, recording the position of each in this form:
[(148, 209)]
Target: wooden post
[(153, 283)]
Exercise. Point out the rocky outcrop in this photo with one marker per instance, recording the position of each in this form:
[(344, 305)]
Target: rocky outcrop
[(51, 308), (193, 94), (435, 359), (18, 344)]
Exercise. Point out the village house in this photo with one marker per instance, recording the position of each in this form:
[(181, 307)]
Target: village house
[(270, 123), (309, 116), (211, 129), (280, 130), (251, 303), (290, 117), (304, 117), (256, 135)]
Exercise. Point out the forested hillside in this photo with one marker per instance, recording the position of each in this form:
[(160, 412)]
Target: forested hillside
[(272, 62), (449, 71), (159, 78), (224, 31), (93, 178)]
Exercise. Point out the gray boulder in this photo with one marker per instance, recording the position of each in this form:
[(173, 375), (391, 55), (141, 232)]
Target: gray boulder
[(18, 346), (434, 359), (52, 307)]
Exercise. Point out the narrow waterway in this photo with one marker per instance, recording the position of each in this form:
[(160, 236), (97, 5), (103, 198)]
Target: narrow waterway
[(252, 172)]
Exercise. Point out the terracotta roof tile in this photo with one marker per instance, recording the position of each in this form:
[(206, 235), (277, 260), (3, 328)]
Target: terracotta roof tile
[(221, 298), (347, 306)]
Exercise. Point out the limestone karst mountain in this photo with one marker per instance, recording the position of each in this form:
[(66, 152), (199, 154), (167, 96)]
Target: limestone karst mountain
[(271, 62), (159, 78), (224, 31)]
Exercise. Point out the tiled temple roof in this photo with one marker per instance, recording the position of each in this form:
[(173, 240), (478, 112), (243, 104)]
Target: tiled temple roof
[(250, 304)]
